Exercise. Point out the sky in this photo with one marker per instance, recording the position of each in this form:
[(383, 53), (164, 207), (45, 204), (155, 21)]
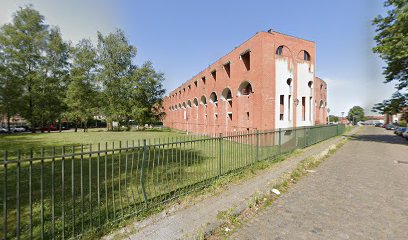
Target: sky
[(183, 37)]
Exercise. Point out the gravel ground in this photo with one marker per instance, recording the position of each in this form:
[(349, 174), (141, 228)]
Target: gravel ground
[(361, 192)]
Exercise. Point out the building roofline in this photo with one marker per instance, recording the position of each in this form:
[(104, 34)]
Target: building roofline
[(218, 59), (290, 36)]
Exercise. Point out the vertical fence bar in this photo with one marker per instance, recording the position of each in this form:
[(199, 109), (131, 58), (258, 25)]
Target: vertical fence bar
[(5, 196), (42, 192), (120, 178), (73, 189), (63, 191), (106, 182), (113, 181), (142, 175), (280, 140), (257, 145), (220, 154), (53, 190), (82, 188), (18, 194), (90, 185), (126, 171), (97, 183)]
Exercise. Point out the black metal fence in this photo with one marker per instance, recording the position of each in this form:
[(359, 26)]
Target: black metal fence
[(64, 192)]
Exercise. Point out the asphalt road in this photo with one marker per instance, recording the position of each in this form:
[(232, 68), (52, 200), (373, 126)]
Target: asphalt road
[(361, 192)]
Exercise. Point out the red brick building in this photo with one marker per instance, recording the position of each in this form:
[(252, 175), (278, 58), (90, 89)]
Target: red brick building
[(267, 82)]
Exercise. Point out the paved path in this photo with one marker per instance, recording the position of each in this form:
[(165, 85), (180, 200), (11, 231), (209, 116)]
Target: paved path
[(186, 222), (361, 192)]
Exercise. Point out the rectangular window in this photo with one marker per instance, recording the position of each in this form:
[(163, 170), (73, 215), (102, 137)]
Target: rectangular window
[(282, 106), (289, 113), (203, 79), (195, 83), (214, 75), (303, 108), (247, 115), (227, 67), (246, 58)]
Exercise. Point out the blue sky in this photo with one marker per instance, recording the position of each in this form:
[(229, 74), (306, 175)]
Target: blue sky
[(183, 37)]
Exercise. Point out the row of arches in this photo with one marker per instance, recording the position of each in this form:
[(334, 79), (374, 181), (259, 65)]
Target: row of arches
[(285, 51), (244, 89)]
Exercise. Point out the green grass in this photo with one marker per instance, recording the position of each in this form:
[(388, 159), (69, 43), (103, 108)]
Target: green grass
[(98, 189)]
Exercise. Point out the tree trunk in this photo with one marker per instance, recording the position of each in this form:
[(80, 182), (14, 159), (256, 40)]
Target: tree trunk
[(8, 122), (76, 126)]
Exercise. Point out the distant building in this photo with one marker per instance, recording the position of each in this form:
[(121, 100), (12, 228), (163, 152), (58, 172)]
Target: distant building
[(268, 82)]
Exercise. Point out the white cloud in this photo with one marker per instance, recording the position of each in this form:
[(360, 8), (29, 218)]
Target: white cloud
[(77, 19)]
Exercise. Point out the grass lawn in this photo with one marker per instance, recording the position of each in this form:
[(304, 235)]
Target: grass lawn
[(73, 194), (25, 141)]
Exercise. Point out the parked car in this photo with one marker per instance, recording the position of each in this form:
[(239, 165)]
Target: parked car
[(400, 130), (17, 129), (3, 130), (379, 124), (390, 127), (50, 128), (405, 134)]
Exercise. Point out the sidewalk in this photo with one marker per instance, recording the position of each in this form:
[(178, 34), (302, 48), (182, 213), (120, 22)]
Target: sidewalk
[(202, 216), (360, 192)]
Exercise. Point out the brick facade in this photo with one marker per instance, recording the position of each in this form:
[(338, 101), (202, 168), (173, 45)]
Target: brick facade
[(267, 82)]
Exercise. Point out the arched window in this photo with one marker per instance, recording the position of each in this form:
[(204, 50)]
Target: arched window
[(189, 103), (226, 94), (184, 105), (213, 98), (195, 102), (203, 100), (306, 56), (289, 81), (245, 89), (310, 84), (279, 50), (179, 106), (321, 104)]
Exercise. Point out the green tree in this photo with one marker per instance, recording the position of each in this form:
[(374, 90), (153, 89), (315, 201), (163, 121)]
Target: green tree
[(115, 55), (82, 96), (37, 60), (23, 42), (393, 106), (355, 114), (10, 91), (333, 118), (147, 94), (55, 79), (392, 41)]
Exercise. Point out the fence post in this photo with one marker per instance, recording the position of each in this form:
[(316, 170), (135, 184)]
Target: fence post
[(307, 136), (220, 154), (296, 141), (5, 196), (257, 145), (142, 181), (280, 140), (337, 129)]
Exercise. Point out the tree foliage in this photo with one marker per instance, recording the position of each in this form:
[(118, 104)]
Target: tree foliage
[(392, 41), (82, 93), (43, 78), (355, 114), (392, 47)]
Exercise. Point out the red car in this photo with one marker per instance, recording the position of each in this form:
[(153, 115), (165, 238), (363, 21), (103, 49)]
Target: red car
[(49, 128)]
